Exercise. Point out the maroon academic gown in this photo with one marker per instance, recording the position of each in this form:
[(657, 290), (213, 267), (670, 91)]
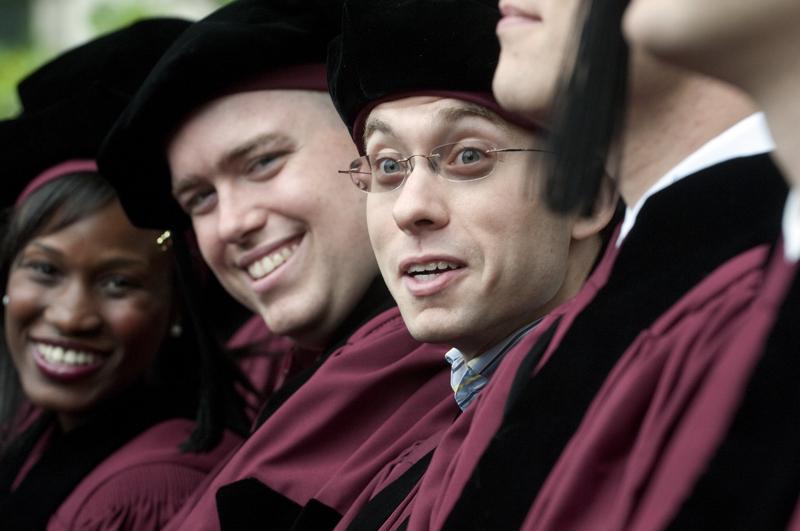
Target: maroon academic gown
[(122, 470), (697, 245), (141, 485), (743, 469), (700, 420), (400, 442), (381, 373), (604, 477)]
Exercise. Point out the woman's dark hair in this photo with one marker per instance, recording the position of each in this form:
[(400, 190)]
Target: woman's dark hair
[(196, 377), (589, 109)]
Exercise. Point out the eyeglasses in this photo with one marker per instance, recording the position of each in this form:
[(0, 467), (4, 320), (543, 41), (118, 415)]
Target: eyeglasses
[(463, 161)]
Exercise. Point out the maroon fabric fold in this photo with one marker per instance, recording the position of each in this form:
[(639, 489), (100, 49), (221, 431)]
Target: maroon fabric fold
[(632, 460), (381, 373), (142, 484), (423, 418)]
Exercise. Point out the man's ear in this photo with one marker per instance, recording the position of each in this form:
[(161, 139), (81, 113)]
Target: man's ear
[(605, 205)]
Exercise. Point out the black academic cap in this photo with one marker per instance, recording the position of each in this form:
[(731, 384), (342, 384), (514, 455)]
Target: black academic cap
[(234, 45), (70, 103), (388, 47)]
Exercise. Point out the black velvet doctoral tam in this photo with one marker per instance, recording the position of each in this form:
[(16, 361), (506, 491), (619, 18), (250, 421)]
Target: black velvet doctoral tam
[(238, 43), (393, 47), (70, 103)]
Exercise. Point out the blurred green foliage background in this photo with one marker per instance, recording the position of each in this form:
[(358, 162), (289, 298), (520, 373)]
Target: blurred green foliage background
[(22, 51)]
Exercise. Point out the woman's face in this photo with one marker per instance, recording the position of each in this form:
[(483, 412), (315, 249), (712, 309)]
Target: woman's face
[(88, 308)]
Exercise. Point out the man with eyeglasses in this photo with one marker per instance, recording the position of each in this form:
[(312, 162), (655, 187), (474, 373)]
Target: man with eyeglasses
[(465, 245)]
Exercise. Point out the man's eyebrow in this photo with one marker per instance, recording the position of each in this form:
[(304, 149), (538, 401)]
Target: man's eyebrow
[(185, 183), (376, 125), (451, 115), (230, 158), (234, 155)]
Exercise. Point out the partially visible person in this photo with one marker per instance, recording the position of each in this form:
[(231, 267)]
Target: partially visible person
[(468, 249), (103, 367), (234, 133), (547, 435), (752, 46), (730, 458)]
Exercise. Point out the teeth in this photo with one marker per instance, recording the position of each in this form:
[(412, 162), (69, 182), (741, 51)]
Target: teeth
[(256, 270), (268, 264), (60, 356), (432, 266)]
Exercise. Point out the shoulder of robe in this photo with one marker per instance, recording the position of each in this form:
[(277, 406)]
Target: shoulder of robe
[(142, 484)]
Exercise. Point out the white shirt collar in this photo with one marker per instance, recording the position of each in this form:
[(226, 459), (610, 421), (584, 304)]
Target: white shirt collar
[(748, 137), (791, 226)]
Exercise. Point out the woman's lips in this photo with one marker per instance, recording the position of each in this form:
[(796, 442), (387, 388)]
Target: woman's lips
[(66, 364), (513, 16)]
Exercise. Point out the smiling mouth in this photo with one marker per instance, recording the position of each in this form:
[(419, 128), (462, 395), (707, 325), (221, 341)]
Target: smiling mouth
[(266, 265), (430, 271), (67, 357)]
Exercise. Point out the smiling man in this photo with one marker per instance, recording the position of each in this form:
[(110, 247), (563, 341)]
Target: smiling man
[(235, 133), (252, 171), (467, 248)]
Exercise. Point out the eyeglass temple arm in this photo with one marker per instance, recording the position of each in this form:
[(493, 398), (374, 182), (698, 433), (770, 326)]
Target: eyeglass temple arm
[(513, 150)]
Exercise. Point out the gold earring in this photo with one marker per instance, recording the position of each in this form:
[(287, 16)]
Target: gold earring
[(164, 241)]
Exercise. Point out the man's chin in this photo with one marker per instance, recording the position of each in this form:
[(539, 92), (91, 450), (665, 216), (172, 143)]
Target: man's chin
[(426, 331)]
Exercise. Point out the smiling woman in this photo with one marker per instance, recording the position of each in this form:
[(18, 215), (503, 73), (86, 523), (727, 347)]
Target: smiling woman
[(93, 357), (104, 367), (89, 299)]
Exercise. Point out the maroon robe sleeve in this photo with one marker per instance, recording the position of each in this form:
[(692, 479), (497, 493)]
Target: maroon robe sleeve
[(141, 485), (423, 417)]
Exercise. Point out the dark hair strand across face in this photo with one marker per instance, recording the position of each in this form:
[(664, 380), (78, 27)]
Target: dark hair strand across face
[(589, 110)]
